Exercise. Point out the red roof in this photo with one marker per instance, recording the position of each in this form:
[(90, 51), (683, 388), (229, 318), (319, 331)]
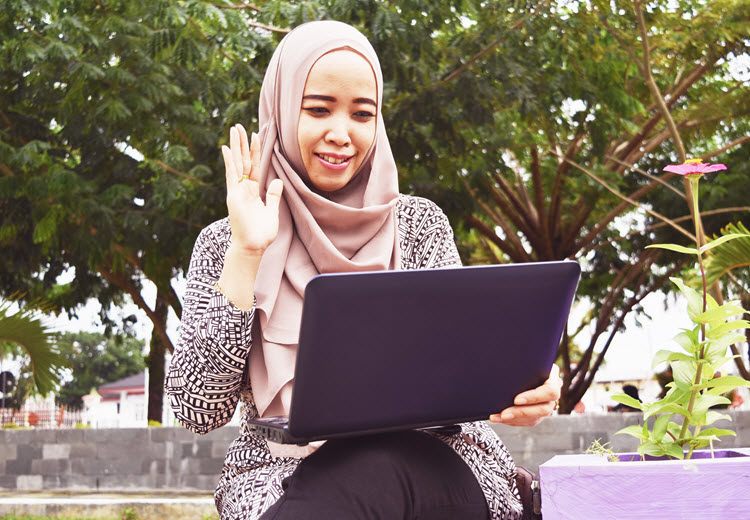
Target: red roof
[(135, 384)]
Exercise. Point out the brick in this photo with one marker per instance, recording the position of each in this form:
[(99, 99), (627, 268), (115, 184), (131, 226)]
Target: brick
[(18, 466), (81, 450), (50, 466), (29, 451), (8, 451), (29, 482), (71, 436), (7, 481), (55, 451)]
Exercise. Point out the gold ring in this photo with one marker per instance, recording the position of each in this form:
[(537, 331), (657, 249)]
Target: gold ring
[(242, 178), (557, 405)]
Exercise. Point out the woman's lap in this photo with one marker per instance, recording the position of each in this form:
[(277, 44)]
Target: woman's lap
[(409, 475)]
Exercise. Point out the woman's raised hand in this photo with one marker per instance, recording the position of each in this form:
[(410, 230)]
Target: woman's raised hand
[(254, 224)]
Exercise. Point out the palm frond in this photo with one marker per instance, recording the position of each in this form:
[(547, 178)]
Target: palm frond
[(730, 255), (24, 333)]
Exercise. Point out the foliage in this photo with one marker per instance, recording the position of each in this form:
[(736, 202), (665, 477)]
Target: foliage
[(697, 385), (508, 114), (23, 333), (95, 360), (573, 143), (597, 448)]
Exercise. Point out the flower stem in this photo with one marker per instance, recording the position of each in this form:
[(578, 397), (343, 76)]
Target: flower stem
[(694, 179)]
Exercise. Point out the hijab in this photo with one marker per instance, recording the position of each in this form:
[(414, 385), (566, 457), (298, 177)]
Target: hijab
[(352, 229)]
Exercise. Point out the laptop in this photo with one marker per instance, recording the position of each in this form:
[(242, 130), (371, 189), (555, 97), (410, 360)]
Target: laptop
[(394, 350)]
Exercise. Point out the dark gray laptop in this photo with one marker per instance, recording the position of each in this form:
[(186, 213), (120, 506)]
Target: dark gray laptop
[(393, 350)]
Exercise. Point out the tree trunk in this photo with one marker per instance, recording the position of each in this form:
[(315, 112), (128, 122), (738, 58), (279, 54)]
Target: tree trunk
[(156, 362)]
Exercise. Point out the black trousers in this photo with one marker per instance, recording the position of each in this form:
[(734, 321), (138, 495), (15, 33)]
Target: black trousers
[(405, 475)]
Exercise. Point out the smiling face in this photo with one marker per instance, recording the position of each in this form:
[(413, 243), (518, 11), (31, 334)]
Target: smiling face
[(338, 118)]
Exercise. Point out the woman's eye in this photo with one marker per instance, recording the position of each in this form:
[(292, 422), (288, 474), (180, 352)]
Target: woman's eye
[(316, 111), (364, 114)]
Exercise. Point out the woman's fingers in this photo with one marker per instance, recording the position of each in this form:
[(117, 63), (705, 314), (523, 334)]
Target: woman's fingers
[(236, 147), (245, 152), (549, 391), (532, 406), (273, 195), (255, 158), (229, 169)]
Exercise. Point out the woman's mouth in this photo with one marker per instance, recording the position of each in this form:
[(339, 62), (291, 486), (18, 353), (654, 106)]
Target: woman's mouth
[(334, 161)]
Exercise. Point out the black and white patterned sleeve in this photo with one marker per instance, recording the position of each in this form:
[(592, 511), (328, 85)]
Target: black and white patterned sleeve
[(205, 374), (426, 235)]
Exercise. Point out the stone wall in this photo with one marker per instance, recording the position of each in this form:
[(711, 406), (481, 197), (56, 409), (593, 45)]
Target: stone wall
[(174, 458)]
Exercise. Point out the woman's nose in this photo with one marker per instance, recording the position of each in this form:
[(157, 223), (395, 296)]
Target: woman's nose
[(338, 133)]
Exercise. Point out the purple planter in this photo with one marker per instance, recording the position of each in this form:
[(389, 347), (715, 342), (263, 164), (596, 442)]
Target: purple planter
[(589, 487)]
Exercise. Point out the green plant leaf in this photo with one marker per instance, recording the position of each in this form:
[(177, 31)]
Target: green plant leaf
[(715, 433), (688, 340), (705, 401), (626, 399), (664, 356), (674, 450), (660, 427), (718, 331), (721, 240), (652, 449), (730, 256), (717, 348), (634, 430), (660, 407), (695, 300), (674, 247), (683, 373), (724, 381), (721, 313), (712, 417)]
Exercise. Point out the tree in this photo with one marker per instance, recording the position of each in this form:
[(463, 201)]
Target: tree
[(111, 118), (95, 360), (576, 126), (513, 116), (24, 334)]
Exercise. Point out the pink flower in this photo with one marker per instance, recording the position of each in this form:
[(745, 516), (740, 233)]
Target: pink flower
[(694, 166)]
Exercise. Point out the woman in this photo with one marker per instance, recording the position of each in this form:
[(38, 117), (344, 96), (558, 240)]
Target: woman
[(316, 191)]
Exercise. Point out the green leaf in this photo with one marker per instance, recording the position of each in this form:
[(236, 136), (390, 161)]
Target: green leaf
[(674, 450), (675, 247), (661, 407), (26, 330), (712, 417), (705, 401), (717, 348), (721, 240), (660, 427), (730, 256), (716, 432), (634, 430), (724, 381), (688, 340), (652, 449), (626, 399), (723, 312), (683, 373), (695, 300), (718, 331)]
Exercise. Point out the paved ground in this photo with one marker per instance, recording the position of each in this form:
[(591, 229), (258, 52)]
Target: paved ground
[(161, 505)]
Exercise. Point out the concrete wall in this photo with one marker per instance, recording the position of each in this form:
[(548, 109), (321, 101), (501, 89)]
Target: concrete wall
[(174, 458)]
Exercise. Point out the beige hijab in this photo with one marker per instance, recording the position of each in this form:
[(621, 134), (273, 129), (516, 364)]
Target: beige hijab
[(352, 229)]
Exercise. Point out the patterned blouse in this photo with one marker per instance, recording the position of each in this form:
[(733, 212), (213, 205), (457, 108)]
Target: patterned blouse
[(205, 378)]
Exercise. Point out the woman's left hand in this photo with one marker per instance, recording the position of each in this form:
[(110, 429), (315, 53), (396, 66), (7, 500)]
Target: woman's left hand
[(534, 405)]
